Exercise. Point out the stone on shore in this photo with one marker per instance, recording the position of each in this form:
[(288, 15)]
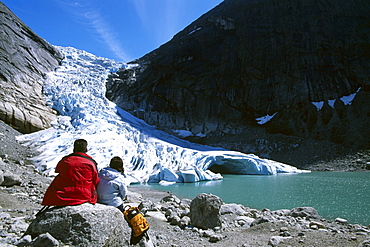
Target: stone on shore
[(307, 212), (232, 208), (83, 225), (205, 211)]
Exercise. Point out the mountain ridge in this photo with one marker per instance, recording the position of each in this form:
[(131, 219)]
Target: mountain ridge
[(25, 59), (243, 61)]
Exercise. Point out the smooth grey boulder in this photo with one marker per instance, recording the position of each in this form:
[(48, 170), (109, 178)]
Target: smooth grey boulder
[(25, 59), (83, 225), (205, 211)]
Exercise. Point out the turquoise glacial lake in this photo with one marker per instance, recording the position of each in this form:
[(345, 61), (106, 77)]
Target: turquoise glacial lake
[(333, 194)]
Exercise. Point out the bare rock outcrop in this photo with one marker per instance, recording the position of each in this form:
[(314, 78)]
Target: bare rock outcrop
[(25, 58), (299, 61)]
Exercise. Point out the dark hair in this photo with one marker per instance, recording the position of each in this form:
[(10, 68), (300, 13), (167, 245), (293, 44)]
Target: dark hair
[(80, 145), (116, 163)]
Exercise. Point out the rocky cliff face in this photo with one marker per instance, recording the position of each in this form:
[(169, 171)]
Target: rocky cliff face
[(25, 58), (299, 61)]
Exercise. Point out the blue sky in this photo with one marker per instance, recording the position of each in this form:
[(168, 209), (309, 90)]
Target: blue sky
[(118, 29)]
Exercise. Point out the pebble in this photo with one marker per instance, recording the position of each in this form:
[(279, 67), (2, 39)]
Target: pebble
[(341, 221)]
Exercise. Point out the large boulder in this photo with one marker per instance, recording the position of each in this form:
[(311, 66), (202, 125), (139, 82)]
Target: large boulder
[(25, 60), (304, 62), (83, 225), (205, 211)]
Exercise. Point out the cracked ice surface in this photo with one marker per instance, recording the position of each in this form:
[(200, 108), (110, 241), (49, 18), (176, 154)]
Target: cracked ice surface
[(77, 91)]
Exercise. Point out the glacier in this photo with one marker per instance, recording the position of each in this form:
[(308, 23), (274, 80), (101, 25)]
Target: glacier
[(76, 90)]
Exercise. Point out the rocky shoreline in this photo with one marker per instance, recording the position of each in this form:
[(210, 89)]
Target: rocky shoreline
[(241, 226)]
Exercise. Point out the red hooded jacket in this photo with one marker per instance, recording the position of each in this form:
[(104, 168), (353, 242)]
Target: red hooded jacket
[(76, 182)]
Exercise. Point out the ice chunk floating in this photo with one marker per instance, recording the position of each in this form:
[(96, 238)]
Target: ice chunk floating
[(77, 91)]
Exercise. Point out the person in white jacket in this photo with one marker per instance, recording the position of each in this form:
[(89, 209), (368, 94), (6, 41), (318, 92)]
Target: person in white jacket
[(112, 187)]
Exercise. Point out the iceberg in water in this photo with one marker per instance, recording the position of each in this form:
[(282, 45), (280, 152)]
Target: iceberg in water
[(77, 91)]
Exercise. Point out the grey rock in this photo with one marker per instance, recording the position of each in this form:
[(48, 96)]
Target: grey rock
[(285, 234), (365, 243), (184, 221), (171, 198), (4, 216), (275, 240), (185, 212), (11, 179), (83, 225), (341, 221), (262, 219), (45, 240), (205, 211), (308, 212), (171, 215), (175, 220), (232, 209), (208, 233), (284, 229), (133, 197), (367, 166), (281, 212), (145, 206), (316, 225), (168, 212), (19, 225), (215, 238), (185, 203), (24, 241), (25, 60), (244, 221)]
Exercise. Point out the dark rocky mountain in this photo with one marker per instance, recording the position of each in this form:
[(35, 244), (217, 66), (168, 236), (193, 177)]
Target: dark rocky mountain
[(25, 59), (247, 59)]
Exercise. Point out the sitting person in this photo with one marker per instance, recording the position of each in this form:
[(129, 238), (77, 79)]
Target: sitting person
[(112, 187), (112, 191), (77, 179)]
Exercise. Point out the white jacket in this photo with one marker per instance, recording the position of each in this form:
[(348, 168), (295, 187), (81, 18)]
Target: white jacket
[(112, 187)]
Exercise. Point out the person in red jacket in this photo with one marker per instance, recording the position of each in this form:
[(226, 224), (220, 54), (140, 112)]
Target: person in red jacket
[(77, 179)]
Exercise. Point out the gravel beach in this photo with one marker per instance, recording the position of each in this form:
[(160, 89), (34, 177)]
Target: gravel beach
[(20, 202)]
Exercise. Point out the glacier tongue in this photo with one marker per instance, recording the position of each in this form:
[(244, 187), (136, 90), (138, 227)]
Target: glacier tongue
[(77, 91)]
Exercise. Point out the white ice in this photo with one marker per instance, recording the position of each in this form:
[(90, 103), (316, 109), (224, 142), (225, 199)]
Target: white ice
[(265, 119), (347, 100), (318, 104), (77, 91)]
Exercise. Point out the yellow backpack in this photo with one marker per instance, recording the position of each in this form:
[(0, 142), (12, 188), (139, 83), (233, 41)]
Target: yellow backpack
[(135, 220)]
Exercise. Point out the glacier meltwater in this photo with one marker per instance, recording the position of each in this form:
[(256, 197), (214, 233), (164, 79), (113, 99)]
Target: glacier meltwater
[(76, 90)]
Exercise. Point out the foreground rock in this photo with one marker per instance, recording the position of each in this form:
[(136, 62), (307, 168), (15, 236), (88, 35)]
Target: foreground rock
[(82, 225), (205, 221), (205, 211), (25, 59)]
